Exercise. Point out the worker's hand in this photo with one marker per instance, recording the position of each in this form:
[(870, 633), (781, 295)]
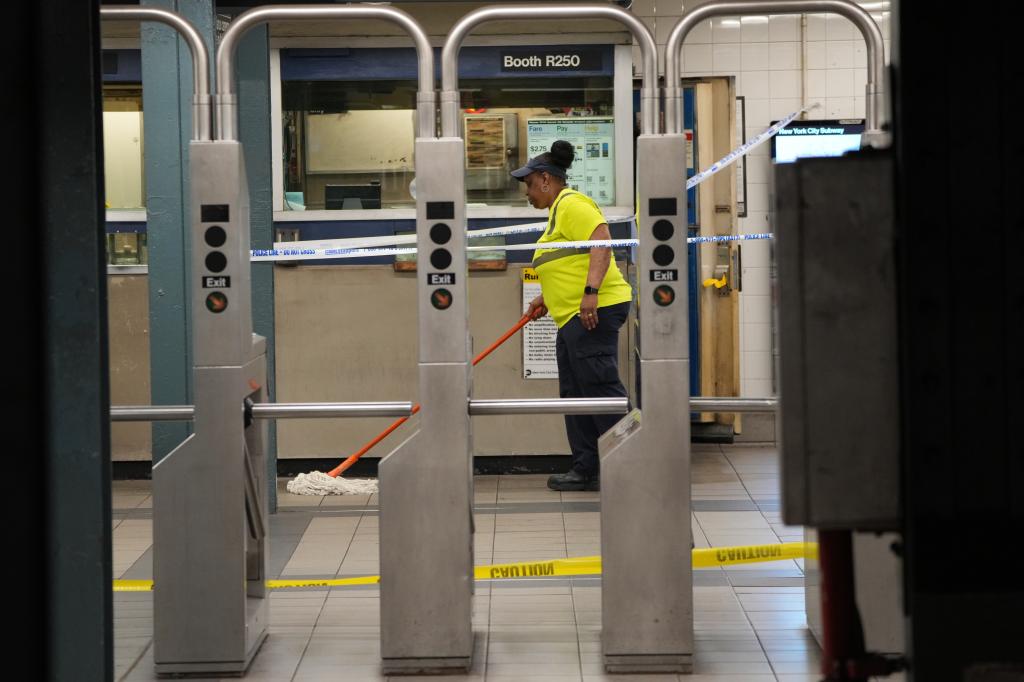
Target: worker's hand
[(588, 311), (537, 308)]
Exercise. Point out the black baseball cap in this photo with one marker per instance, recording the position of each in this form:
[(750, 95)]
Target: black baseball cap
[(538, 164)]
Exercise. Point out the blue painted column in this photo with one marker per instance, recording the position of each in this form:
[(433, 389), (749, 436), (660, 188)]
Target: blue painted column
[(253, 70), (167, 100)]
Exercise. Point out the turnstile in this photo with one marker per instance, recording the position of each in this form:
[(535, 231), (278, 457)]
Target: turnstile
[(426, 483), (646, 595), (210, 494), (645, 510)]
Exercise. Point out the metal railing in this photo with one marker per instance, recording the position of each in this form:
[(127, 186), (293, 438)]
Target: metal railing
[(539, 13), (858, 15), (152, 413), (201, 112), (227, 100)]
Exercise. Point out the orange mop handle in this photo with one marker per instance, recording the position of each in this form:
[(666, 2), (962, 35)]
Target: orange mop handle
[(340, 469)]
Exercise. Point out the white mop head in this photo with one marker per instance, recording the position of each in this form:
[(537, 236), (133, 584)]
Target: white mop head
[(319, 483)]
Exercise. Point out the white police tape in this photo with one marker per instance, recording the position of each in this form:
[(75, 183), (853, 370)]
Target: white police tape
[(390, 245), (321, 254), (743, 149)]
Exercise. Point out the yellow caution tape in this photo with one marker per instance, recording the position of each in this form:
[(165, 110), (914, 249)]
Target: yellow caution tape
[(586, 565)]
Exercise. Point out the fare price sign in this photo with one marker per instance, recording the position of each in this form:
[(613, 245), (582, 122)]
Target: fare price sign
[(593, 138)]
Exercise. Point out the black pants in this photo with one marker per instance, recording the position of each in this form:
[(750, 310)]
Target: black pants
[(588, 368)]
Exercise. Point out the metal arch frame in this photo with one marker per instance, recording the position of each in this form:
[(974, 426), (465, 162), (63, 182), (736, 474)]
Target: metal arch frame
[(874, 90), (227, 100), (201, 111), (458, 33)]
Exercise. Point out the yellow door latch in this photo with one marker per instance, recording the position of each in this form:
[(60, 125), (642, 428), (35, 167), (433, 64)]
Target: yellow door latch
[(717, 283)]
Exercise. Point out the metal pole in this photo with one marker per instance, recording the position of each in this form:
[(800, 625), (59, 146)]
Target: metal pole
[(484, 408), (201, 112), (538, 13), (858, 15), (715, 404), (227, 100), (330, 410), (150, 413)]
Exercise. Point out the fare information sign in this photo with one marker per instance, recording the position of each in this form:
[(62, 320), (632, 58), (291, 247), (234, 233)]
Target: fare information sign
[(593, 138)]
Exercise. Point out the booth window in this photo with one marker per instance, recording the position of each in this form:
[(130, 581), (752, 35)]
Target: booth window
[(348, 120), (123, 154), (123, 147)]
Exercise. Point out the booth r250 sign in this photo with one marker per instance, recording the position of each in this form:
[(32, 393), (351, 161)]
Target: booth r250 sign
[(564, 59)]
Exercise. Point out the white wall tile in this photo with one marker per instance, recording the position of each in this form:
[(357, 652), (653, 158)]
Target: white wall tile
[(758, 168), (755, 222), (758, 337), (727, 30), (840, 107), (860, 54), (754, 29), (756, 281), (860, 81), (858, 107), (839, 54), (663, 28), (757, 196), (840, 83), (817, 84), (785, 84), (700, 34), (816, 29), (754, 84), (754, 57), (643, 8), (784, 27), (757, 253), (817, 57), (756, 365), (761, 149), (671, 7), (784, 106), (696, 58), (783, 56), (758, 388), (758, 111), (755, 273), (754, 308), (726, 57), (839, 28)]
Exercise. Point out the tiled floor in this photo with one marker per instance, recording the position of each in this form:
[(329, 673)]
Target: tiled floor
[(749, 620)]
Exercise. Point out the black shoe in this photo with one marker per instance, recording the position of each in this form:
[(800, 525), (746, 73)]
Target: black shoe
[(571, 480), (593, 483)]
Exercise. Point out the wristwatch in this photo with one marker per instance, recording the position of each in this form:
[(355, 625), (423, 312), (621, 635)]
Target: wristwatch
[(589, 290)]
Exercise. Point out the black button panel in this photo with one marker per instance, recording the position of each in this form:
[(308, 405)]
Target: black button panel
[(663, 255), (440, 210), (440, 233), (665, 206), (216, 261), (663, 230), (440, 258), (216, 236)]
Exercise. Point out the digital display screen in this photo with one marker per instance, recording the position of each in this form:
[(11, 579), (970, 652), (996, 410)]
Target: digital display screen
[(804, 139)]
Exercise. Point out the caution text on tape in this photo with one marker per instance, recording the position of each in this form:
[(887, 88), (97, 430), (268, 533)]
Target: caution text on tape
[(576, 566)]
